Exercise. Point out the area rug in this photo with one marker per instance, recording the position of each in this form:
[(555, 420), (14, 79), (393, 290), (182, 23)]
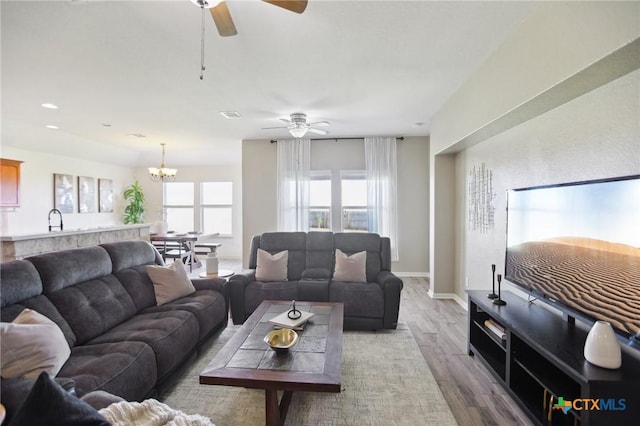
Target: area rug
[(385, 381)]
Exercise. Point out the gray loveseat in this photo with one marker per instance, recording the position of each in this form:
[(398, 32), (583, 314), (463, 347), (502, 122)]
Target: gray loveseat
[(103, 300), (311, 263)]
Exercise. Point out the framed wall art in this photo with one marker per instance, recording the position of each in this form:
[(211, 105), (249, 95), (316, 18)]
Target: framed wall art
[(105, 195), (63, 193), (481, 195), (86, 194)]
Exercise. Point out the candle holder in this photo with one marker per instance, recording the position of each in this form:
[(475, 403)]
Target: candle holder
[(499, 301), (294, 313), (493, 294)]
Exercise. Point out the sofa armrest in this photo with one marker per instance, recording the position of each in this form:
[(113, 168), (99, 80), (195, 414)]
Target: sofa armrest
[(392, 287), (245, 277), (236, 287), (388, 278), (218, 284)]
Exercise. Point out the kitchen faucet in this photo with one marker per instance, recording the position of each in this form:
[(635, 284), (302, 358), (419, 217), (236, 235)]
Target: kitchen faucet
[(49, 218)]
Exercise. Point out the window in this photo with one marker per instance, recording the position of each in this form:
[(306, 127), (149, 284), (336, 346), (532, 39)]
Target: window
[(216, 207), (178, 205), (212, 213), (353, 188), (339, 206), (320, 201)]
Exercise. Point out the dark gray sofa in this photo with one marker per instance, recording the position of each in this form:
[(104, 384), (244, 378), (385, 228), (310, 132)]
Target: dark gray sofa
[(103, 300), (370, 306)]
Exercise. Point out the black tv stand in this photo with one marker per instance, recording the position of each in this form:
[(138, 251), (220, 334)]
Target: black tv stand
[(568, 318), (540, 359)]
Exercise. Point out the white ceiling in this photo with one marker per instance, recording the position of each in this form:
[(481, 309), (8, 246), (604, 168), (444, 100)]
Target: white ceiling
[(367, 67)]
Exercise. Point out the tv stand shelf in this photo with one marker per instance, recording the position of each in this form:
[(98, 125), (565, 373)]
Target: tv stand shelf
[(541, 360)]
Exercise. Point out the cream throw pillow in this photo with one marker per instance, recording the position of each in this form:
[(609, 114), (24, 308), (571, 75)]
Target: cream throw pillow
[(272, 267), (351, 268), (31, 344), (170, 282)]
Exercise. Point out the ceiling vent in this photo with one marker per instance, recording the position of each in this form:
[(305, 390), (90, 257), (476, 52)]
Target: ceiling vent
[(230, 115)]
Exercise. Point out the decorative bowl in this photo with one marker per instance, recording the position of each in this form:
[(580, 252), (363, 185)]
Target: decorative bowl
[(281, 340)]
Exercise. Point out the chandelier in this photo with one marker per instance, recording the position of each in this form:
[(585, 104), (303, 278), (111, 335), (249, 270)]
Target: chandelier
[(163, 173)]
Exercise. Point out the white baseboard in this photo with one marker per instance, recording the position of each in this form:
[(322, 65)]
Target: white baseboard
[(451, 296), (461, 302), (413, 274), (441, 295)]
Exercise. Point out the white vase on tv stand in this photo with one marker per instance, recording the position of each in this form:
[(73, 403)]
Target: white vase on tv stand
[(601, 347)]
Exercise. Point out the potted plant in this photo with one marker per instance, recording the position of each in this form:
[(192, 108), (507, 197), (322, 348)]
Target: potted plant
[(134, 211)]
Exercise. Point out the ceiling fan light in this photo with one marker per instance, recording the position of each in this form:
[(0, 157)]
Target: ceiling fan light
[(207, 4), (298, 132)]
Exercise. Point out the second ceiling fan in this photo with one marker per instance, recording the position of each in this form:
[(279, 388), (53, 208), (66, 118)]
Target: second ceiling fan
[(224, 22), (298, 126)]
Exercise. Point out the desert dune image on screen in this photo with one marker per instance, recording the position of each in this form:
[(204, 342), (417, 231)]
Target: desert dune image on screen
[(579, 245)]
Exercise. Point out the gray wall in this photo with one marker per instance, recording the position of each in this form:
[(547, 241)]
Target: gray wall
[(259, 191), (594, 136), (554, 103)]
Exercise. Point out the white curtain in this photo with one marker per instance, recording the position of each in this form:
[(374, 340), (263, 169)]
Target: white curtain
[(294, 162), (382, 176)]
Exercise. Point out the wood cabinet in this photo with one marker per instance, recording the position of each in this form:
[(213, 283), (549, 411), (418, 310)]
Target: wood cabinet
[(10, 181), (540, 360)]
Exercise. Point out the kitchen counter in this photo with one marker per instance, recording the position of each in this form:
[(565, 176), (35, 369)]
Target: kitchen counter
[(20, 246)]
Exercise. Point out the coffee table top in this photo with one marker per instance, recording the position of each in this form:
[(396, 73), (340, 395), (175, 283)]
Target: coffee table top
[(314, 364)]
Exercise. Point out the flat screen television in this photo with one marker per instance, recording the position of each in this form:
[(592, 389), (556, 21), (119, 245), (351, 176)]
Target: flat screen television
[(577, 246)]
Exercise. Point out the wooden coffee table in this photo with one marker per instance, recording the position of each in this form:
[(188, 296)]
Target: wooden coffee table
[(313, 365)]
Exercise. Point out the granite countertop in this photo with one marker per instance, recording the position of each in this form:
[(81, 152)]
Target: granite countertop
[(53, 234)]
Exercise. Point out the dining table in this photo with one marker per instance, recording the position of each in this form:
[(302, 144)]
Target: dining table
[(185, 241)]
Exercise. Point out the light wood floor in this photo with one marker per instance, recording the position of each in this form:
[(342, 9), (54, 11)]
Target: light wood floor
[(440, 329)]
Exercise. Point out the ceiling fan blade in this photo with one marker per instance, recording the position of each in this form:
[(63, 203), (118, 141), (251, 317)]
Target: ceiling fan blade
[(317, 131), (297, 6), (223, 21), (320, 123), (271, 128), (286, 121)]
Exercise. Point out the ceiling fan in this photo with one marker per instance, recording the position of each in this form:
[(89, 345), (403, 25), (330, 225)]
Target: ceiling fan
[(298, 126), (222, 17)]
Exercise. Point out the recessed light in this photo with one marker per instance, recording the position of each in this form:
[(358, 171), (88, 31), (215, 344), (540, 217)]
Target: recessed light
[(50, 106), (52, 127), (230, 114)]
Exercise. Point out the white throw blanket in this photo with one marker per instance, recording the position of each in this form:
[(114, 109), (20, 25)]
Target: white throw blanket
[(150, 413)]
